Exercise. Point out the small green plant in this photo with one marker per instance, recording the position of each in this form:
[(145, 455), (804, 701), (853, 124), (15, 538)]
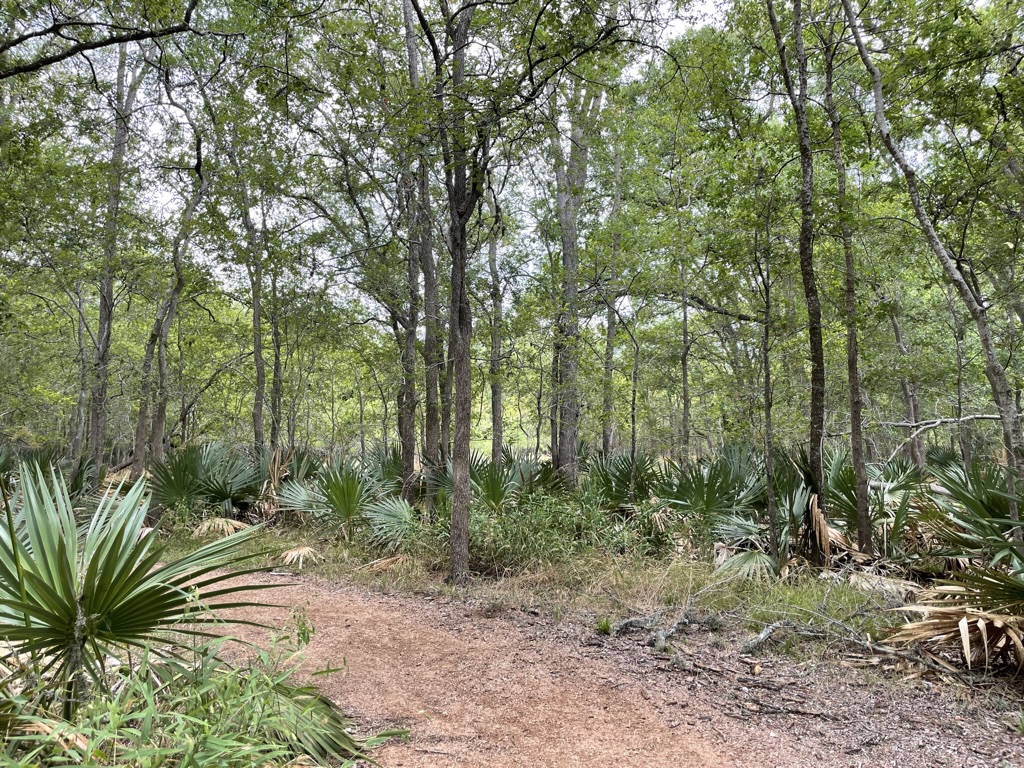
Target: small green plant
[(603, 625), (74, 598)]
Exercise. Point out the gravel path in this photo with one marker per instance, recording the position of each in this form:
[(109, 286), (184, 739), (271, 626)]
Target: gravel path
[(479, 687)]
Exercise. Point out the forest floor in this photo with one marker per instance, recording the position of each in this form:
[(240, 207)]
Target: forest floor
[(479, 684)]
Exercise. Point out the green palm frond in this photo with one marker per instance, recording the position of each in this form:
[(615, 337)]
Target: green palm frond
[(76, 596), (392, 521), (177, 481), (749, 564)]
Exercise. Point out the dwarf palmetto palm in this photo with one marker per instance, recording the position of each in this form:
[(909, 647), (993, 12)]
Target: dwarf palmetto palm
[(976, 522), (338, 496), (75, 596)]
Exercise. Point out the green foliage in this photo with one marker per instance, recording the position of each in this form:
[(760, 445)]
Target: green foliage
[(620, 481), (74, 597), (177, 480), (214, 474), (393, 522), (712, 494), (202, 713), (975, 515)]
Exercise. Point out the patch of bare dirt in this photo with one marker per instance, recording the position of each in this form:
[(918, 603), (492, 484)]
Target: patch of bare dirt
[(483, 687)]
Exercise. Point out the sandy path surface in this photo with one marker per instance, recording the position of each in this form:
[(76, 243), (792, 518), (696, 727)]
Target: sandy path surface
[(477, 689)]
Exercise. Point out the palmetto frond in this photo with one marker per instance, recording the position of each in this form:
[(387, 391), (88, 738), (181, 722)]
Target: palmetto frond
[(77, 595)]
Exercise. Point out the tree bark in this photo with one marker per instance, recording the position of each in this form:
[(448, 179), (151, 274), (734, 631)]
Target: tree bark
[(1002, 393), (798, 99), (497, 323), (145, 432), (126, 91), (466, 151), (254, 269), (864, 530), (611, 321), (570, 181), (908, 390)]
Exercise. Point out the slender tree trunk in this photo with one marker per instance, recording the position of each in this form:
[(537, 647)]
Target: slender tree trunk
[(553, 408), (798, 99), (497, 322), (418, 216), (78, 441), (684, 364), (540, 401), (911, 403), (611, 321), (259, 394), (963, 430), (864, 530), (147, 435), (277, 382), (254, 268), (769, 429), (611, 317), (1002, 393), (433, 360), (570, 181), (362, 416), (446, 406), (126, 90)]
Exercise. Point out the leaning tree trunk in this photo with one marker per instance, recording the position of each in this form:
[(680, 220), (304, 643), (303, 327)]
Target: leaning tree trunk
[(145, 433), (1002, 393)]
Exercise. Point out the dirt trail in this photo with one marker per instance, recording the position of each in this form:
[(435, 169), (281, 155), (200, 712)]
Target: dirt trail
[(482, 690)]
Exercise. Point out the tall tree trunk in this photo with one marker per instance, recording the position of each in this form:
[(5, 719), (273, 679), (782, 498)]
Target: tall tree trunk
[(148, 436), (864, 531), (553, 408), (765, 274), (255, 271), (126, 90), (611, 316), (277, 382), (570, 181), (254, 268), (417, 213), (78, 440), (497, 322), (466, 150), (447, 377), (963, 430), (611, 320), (433, 360), (362, 415), (684, 364), (1002, 393), (798, 99)]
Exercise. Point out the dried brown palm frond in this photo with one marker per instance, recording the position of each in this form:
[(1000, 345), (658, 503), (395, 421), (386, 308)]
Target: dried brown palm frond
[(62, 733), (219, 526), (299, 555), (820, 530), (979, 616)]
